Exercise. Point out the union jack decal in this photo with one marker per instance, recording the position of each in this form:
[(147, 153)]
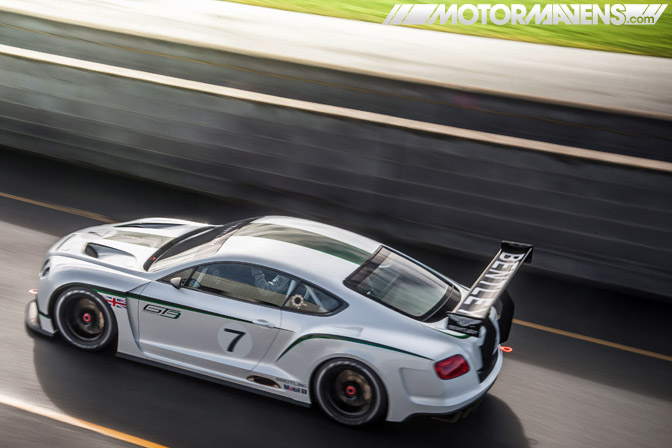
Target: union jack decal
[(115, 302)]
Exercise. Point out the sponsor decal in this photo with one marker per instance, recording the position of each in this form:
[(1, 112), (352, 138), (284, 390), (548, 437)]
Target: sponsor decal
[(518, 14), (467, 317), (292, 386), (290, 382), (493, 280), (297, 301), (161, 311), (114, 301), (298, 390)]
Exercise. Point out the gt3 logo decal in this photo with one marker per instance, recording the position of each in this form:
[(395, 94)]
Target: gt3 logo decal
[(115, 302), (161, 311)]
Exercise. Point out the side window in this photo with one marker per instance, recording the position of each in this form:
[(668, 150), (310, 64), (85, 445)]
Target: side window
[(242, 282), (311, 300), (183, 274)]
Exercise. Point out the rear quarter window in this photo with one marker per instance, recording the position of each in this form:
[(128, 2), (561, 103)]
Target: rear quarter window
[(309, 299)]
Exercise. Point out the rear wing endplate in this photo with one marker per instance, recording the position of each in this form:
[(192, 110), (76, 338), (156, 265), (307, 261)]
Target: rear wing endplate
[(469, 315)]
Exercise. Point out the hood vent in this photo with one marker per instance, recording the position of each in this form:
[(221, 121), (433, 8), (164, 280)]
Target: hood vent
[(100, 251)]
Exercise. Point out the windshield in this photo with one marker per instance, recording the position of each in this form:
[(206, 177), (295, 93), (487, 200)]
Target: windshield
[(194, 245), (401, 284)]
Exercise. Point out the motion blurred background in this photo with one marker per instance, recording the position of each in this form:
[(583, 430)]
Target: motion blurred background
[(650, 41), (441, 140)]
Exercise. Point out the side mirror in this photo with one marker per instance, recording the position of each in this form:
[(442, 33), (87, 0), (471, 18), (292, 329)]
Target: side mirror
[(176, 282)]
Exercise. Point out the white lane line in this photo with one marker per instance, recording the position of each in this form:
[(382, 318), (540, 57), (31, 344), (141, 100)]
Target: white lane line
[(341, 112), (63, 418)]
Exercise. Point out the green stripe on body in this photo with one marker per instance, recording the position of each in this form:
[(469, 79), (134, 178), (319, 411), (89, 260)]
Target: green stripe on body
[(349, 339), (458, 336), (175, 305)]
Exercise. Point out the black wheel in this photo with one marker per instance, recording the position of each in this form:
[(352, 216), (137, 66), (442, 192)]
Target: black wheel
[(84, 319), (349, 392)]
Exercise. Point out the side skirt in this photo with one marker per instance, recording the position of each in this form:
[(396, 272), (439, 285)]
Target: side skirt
[(211, 379)]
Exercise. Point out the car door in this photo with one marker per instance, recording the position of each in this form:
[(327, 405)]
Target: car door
[(306, 307), (222, 319)]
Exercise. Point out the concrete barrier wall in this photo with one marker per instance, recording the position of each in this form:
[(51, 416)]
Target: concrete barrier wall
[(598, 222), (597, 130)]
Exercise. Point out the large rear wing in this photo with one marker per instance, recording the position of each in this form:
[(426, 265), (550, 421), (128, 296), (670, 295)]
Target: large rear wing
[(469, 315)]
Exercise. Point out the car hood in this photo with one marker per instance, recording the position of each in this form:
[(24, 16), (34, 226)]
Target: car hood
[(126, 244)]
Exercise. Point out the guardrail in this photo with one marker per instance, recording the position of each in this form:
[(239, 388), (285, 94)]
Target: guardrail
[(604, 222)]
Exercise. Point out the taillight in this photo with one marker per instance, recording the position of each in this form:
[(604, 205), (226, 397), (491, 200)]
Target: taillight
[(451, 367)]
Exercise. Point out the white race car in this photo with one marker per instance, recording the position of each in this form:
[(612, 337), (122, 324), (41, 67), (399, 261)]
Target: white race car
[(287, 307)]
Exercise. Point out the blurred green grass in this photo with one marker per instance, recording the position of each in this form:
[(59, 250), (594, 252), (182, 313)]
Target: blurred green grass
[(651, 40)]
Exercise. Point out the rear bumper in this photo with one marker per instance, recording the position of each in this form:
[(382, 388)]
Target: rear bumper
[(33, 318), (450, 405)]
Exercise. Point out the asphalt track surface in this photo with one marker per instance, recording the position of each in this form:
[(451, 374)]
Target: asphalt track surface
[(554, 390)]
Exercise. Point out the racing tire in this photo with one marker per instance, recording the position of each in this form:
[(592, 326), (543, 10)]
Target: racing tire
[(84, 319), (349, 392)]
